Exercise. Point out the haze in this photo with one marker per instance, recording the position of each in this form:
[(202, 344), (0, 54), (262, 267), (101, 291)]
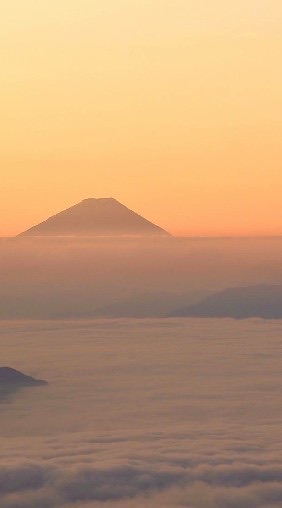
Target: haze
[(140, 254), (52, 278), (174, 108)]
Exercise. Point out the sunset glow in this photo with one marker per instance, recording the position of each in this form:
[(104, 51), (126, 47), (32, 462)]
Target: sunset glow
[(171, 107), (140, 254)]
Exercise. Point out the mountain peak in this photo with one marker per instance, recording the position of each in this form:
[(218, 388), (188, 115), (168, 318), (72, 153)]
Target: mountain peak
[(13, 376), (96, 217), (97, 199)]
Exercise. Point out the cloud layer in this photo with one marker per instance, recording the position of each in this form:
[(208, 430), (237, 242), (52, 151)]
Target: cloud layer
[(181, 413), (144, 470)]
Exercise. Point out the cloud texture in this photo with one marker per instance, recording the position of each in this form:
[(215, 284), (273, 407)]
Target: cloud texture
[(144, 470), (181, 413)]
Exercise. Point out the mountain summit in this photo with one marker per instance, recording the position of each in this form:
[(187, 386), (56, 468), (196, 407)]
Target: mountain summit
[(96, 217)]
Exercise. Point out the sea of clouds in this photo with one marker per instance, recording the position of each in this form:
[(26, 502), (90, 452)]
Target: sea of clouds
[(148, 413)]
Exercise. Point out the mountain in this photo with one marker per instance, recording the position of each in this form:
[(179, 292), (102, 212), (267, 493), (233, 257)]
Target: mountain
[(12, 376), (264, 301), (12, 381), (96, 217)]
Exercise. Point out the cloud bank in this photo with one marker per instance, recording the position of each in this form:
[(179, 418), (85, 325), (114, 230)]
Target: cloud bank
[(143, 470), (149, 413)]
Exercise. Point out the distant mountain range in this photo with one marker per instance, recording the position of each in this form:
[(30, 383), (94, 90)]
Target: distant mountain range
[(264, 301), (96, 217)]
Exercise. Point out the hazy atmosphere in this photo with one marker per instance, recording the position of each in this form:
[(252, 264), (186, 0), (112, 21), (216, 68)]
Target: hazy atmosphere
[(140, 254), (127, 277), (157, 411)]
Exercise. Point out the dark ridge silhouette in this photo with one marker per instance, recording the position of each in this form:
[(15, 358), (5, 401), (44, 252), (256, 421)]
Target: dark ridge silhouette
[(11, 380), (263, 301), (13, 376), (96, 217)]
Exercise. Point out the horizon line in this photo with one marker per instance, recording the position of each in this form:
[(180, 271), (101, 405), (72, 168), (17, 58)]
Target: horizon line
[(171, 237)]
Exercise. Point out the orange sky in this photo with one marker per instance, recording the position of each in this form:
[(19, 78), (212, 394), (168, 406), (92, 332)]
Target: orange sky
[(172, 107)]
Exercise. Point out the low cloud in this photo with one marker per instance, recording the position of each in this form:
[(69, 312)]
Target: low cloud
[(138, 471), (143, 414)]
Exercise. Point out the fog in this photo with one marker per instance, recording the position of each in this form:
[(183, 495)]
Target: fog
[(126, 277), (174, 412)]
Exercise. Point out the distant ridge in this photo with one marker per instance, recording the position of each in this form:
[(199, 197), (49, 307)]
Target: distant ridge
[(15, 377), (12, 381), (96, 217), (263, 301)]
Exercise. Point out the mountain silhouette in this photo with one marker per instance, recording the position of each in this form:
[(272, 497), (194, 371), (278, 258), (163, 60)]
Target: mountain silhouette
[(96, 217), (12, 380), (13, 376), (264, 301)]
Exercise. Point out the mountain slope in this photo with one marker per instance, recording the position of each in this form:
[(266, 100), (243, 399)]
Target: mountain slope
[(15, 377), (264, 301), (96, 217)]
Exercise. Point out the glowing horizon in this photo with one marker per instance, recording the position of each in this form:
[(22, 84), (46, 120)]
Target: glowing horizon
[(172, 108)]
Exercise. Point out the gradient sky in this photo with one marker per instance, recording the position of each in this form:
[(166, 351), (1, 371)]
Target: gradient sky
[(171, 107)]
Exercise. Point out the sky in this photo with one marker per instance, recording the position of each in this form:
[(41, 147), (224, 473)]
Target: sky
[(171, 107)]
